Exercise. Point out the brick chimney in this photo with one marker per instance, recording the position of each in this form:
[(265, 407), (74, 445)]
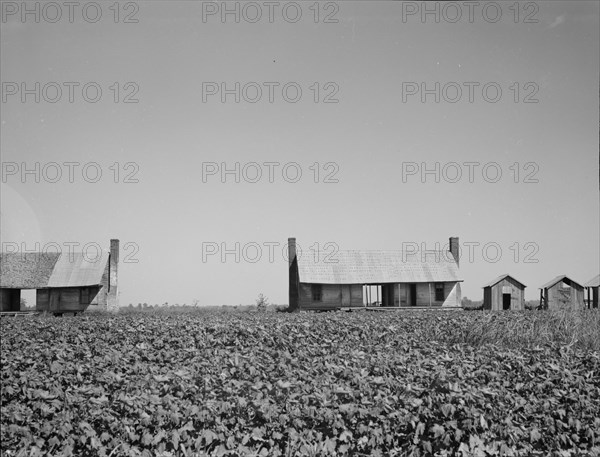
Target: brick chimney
[(293, 275), (291, 250), (454, 249), (112, 301)]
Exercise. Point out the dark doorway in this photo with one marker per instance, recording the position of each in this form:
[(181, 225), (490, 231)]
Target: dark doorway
[(387, 295), (10, 300), (505, 301), (413, 294)]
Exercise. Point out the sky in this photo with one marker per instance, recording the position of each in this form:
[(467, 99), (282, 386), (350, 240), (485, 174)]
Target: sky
[(203, 135)]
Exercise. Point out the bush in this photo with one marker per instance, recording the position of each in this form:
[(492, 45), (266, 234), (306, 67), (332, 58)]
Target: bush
[(261, 303)]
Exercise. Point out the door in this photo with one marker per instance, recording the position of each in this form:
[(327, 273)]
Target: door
[(11, 300), (413, 294), (54, 304), (387, 297), (346, 295), (15, 300), (505, 301)]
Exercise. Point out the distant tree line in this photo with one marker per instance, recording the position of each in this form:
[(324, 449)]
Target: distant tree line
[(261, 305), (478, 304)]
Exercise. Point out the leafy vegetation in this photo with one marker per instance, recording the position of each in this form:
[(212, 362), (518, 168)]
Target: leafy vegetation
[(261, 303), (361, 383)]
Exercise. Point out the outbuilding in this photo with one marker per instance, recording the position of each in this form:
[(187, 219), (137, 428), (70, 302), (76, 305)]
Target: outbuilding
[(591, 288), (504, 293), (561, 292)]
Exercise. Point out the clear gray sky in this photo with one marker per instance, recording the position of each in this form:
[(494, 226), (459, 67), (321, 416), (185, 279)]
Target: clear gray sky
[(376, 140)]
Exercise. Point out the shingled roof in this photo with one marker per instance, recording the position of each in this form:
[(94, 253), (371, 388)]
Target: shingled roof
[(37, 270), (594, 282), (377, 267), (493, 282), (561, 278)]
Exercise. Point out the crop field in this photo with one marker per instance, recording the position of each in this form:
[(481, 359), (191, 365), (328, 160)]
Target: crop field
[(360, 383)]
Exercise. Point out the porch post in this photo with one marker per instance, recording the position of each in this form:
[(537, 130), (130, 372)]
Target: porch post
[(429, 295)]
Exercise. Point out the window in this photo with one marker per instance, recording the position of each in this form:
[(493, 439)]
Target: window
[(439, 291), (84, 296), (317, 292), (42, 296)]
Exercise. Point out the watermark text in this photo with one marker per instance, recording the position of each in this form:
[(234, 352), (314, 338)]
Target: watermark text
[(270, 12), (454, 172), (71, 172), (53, 12), (254, 172), (269, 92), (69, 92), (469, 92)]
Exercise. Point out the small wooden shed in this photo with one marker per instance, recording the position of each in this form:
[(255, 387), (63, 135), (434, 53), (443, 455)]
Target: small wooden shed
[(591, 288), (561, 292), (504, 293), (64, 281)]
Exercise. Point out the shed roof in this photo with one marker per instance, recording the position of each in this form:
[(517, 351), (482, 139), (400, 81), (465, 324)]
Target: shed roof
[(377, 267), (38, 270), (500, 278), (559, 279), (594, 282)]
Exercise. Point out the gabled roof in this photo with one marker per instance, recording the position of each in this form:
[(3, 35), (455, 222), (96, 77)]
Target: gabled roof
[(38, 270), (594, 282), (500, 278), (559, 279), (371, 267)]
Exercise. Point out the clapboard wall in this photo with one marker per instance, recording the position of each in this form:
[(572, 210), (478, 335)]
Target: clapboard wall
[(562, 295), (493, 295)]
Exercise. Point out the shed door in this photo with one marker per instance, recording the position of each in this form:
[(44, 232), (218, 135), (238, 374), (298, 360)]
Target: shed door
[(505, 301), (346, 295)]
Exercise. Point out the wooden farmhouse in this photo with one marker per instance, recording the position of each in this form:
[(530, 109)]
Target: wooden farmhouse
[(64, 281), (504, 293), (352, 279), (561, 292), (591, 288)]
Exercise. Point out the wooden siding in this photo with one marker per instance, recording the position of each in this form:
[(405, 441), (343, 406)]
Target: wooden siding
[(487, 297), (100, 301), (64, 299), (333, 297), (493, 295), (559, 296), (454, 298), (426, 295)]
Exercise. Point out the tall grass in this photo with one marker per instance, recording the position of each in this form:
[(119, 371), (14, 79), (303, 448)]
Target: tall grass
[(577, 329)]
